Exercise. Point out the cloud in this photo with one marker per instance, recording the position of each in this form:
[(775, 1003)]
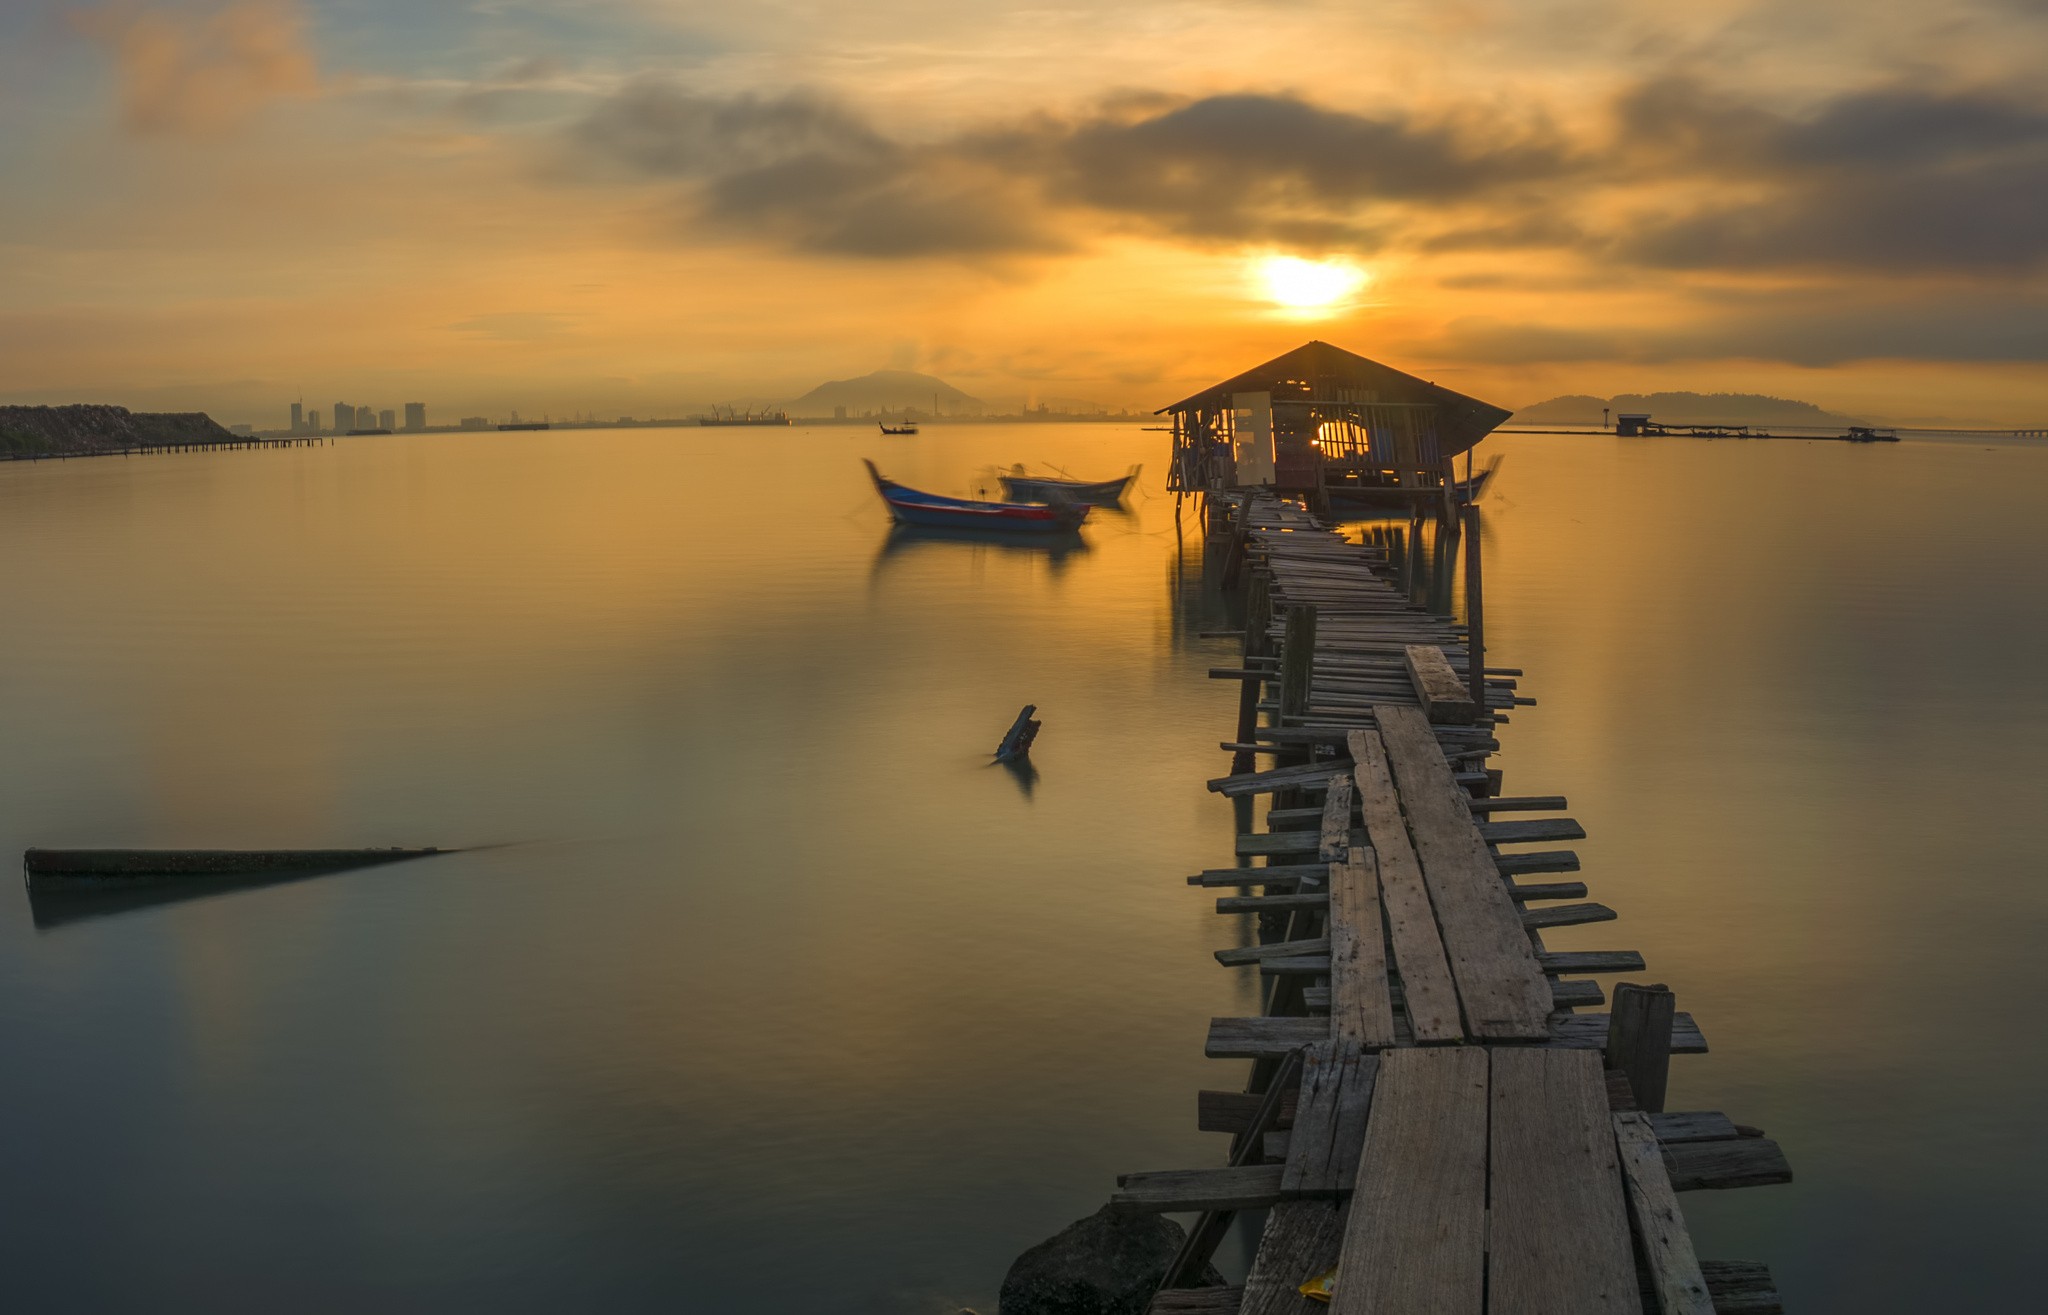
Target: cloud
[(186, 73), (1887, 180), (816, 173)]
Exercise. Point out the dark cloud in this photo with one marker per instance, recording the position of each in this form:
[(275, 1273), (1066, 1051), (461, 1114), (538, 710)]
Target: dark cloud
[(1877, 181), (1233, 168)]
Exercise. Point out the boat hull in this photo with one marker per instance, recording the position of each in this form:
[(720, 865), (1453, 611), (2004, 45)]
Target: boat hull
[(934, 512), (1106, 493)]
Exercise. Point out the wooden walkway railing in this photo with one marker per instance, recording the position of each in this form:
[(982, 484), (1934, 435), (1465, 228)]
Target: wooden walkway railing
[(1436, 1109)]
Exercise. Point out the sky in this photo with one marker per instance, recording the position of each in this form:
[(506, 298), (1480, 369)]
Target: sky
[(644, 206)]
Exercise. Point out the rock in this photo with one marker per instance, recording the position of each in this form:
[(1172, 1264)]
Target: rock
[(1107, 1264)]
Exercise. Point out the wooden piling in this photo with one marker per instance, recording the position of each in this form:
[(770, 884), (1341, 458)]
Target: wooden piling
[(1475, 610)]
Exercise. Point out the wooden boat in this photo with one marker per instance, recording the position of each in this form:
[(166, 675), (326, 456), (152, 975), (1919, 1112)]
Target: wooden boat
[(1350, 497), (911, 507), (907, 427), (1020, 487)]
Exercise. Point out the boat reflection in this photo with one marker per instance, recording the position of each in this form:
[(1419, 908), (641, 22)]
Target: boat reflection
[(908, 540)]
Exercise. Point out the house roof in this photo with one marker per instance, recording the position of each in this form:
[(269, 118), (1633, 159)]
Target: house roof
[(1316, 370)]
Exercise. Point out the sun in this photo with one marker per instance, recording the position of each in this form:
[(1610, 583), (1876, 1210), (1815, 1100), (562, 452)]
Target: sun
[(1308, 285)]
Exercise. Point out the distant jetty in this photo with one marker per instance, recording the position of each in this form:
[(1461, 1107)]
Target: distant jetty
[(29, 433)]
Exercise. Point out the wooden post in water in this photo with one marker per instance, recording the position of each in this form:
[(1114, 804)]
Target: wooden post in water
[(1639, 1040), (1297, 662), (1475, 613), (1418, 575), (1258, 615)]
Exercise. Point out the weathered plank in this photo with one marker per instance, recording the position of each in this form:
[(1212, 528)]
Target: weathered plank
[(1589, 1032), (1742, 1287), (1693, 1125), (1415, 1241), (1179, 1191), (1721, 1165), (1336, 821), (1243, 954), (1667, 1247), (1533, 890), (1235, 1111), (1300, 1241), (1197, 1301), (1430, 998), (1264, 1037), (1329, 1119), (1442, 693), (1543, 860), (1272, 874), (1590, 961), (1567, 915), (1361, 1008), (1535, 803), (1558, 1223), (1534, 829), (1253, 844), (1499, 983), (1287, 903)]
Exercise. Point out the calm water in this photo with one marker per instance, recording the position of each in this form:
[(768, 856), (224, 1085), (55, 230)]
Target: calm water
[(767, 993)]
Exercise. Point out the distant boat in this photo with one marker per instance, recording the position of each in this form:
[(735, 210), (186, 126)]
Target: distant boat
[(1020, 487), (910, 507), (1865, 434), (748, 417), (907, 427)]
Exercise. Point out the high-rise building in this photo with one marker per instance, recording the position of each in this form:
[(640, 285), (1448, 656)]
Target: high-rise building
[(386, 420), (415, 415), (313, 421), (298, 417), (365, 418), (344, 417)]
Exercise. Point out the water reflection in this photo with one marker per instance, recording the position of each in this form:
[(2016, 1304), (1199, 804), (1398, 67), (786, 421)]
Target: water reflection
[(909, 540), (1023, 772)]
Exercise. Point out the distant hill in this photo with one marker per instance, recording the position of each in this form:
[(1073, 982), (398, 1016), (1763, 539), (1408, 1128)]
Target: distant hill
[(886, 390), (37, 431), (1682, 409)]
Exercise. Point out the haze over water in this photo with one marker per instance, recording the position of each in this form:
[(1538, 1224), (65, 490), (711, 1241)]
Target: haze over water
[(763, 990)]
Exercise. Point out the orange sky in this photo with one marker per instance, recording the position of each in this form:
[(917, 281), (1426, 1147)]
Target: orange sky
[(648, 205)]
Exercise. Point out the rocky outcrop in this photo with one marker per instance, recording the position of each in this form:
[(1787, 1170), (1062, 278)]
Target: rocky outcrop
[(1106, 1264), (52, 431)]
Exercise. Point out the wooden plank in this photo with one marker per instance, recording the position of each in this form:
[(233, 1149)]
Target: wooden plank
[(1499, 984), (1589, 1032), (1525, 832), (1721, 1165), (1361, 1008), (1235, 1111), (1329, 1120), (1558, 1235), (1312, 899), (1301, 1240), (1243, 954), (1179, 1191), (1543, 860), (1590, 961), (1270, 1038), (1742, 1287), (1537, 803), (1336, 821), (1443, 695), (1524, 892), (1667, 1247), (1197, 1301), (1567, 915), (1430, 998), (1284, 842), (1269, 875), (1415, 1241), (1693, 1125)]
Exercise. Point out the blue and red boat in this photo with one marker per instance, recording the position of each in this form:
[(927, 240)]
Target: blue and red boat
[(933, 511)]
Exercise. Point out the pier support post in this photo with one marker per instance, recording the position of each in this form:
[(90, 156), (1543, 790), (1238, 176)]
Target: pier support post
[(1475, 613), (1297, 662), (1639, 1040)]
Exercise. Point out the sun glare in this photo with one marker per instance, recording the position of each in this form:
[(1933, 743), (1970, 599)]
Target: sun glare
[(1309, 285)]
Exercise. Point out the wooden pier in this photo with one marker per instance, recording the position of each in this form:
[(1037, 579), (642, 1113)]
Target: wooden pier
[(1438, 1106)]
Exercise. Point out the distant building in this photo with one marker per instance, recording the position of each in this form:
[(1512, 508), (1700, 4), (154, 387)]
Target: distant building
[(839, 413), (298, 418), (242, 431), (344, 417), (365, 418), (313, 421), (387, 419), (476, 422), (415, 415)]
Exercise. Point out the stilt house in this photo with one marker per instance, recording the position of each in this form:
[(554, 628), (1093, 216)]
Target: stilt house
[(1326, 424)]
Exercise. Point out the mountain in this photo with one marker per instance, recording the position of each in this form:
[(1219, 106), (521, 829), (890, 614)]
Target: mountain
[(1682, 409), (38, 431), (886, 390)]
